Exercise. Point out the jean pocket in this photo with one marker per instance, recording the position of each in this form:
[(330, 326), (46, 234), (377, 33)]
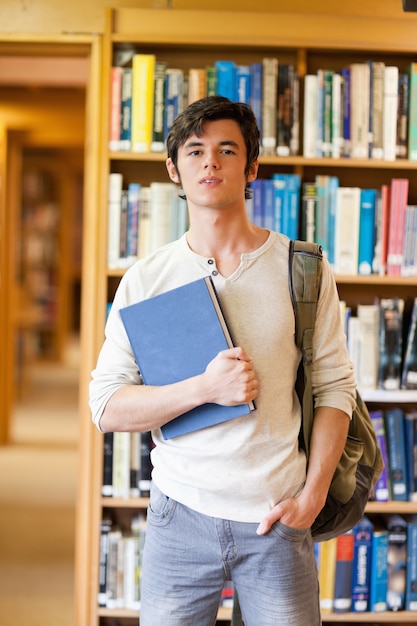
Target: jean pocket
[(160, 507), (289, 533)]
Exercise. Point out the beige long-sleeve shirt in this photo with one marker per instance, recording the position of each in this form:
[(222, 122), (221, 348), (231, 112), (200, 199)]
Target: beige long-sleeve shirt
[(239, 469)]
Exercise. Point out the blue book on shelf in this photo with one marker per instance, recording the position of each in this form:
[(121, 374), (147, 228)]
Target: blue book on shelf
[(395, 433), (333, 185), (226, 79), (256, 92), (174, 336), (361, 571), (287, 195), (397, 562), (366, 230), (258, 202), (410, 426), (379, 571), (382, 485), (411, 577), (343, 572), (243, 80), (346, 111), (268, 203)]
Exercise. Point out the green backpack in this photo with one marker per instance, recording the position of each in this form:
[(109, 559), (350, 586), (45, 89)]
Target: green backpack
[(361, 462)]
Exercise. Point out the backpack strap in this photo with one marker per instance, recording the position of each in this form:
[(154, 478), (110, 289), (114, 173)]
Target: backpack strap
[(304, 276)]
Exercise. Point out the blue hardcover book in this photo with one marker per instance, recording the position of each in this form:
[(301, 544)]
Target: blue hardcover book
[(394, 429), (367, 230), (126, 110), (346, 111), (174, 81), (243, 88), (343, 574), (256, 92), (397, 562), (279, 195), (382, 486), (411, 576), (288, 202), (268, 203), (133, 191), (379, 571), (410, 426), (226, 79), (361, 571), (333, 185), (258, 201), (174, 336)]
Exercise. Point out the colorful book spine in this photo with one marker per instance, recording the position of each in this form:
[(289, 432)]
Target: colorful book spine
[(126, 110), (410, 430), (390, 343), (242, 84), (115, 107), (347, 230), (397, 562), (403, 115), (157, 144), (269, 105), (343, 572), (226, 79), (256, 92), (394, 428), (367, 230), (143, 70), (412, 120), (174, 80), (411, 570), (327, 574), (379, 571), (382, 485), (377, 99), (361, 571), (390, 112), (409, 372), (310, 116)]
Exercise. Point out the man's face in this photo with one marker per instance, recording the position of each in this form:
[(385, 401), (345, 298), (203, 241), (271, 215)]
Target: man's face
[(211, 168)]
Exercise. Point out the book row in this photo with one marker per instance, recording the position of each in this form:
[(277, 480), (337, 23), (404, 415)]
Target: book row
[(396, 431), (121, 564), (361, 231), (126, 465), (365, 110), (382, 344), (141, 219), (372, 568)]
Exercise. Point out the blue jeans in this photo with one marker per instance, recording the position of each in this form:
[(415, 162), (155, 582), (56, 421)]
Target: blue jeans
[(188, 556)]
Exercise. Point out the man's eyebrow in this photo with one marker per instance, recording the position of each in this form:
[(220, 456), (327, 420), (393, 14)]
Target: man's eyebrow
[(193, 143)]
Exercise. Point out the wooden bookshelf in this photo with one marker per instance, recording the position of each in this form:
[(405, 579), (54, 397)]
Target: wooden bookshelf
[(185, 38)]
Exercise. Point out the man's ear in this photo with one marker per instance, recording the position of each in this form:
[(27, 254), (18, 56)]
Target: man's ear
[(252, 171), (172, 171)]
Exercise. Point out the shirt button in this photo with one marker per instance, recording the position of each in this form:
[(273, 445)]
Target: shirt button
[(215, 272), (210, 261)]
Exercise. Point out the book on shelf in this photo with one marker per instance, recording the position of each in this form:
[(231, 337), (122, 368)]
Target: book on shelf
[(379, 571), (269, 105), (115, 107), (325, 216), (367, 373), (157, 143), (390, 343), (344, 572), (145, 470), (173, 341), (368, 198), (360, 99), (346, 246), (410, 432), (377, 108), (121, 465), (382, 486), (308, 211), (379, 264), (325, 111), (398, 204), (361, 570), (395, 433), (134, 464), (403, 115), (255, 100), (105, 528), (336, 115), (242, 85), (107, 479), (310, 116), (126, 110), (397, 562), (114, 219), (411, 568), (144, 237), (327, 574), (391, 75), (143, 71), (174, 100), (287, 197), (412, 119), (409, 261), (409, 372), (284, 104), (226, 78), (346, 111), (197, 83)]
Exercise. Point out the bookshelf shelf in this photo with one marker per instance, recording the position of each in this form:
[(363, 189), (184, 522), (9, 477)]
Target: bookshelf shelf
[(187, 38)]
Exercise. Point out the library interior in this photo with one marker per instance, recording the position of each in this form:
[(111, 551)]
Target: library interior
[(87, 96)]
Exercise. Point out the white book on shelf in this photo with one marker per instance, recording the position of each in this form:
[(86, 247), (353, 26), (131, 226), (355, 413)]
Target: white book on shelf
[(163, 200), (367, 374), (360, 101), (114, 220), (347, 219), (144, 237), (390, 112), (310, 115)]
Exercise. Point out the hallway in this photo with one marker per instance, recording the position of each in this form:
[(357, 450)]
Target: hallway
[(38, 479)]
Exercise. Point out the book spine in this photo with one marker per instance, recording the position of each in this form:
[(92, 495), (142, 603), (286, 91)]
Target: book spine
[(114, 219), (105, 528), (394, 428), (107, 483), (243, 87), (390, 343), (412, 120), (346, 105), (143, 69), (126, 112), (410, 430), (269, 105), (347, 230), (360, 97), (310, 116), (133, 221), (226, 79), (379, 572), (327, 574), (343, 573), (361, 572), (157, 144), (174, 79), (409, 373), (411, 575), (327, 97), (308, 211), (366, 230), (121, 463), (285, 72), (211, 72), (398, 204), (382, 486), (378, 71), (115, 107), (256, 92), (397, 563), (336, 114), (390, 112), (402, 115)]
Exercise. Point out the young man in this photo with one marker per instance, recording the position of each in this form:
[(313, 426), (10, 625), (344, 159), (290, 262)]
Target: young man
[(232, 501)]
